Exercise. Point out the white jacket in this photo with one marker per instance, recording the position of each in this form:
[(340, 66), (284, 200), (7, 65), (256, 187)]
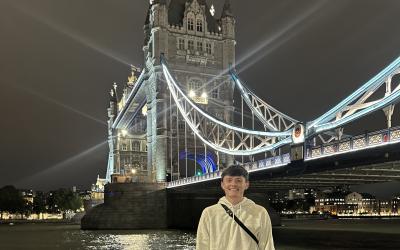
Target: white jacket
[(218, 231)]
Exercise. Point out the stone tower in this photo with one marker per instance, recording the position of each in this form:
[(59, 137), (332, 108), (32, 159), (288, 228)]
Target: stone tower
[(199, 49)]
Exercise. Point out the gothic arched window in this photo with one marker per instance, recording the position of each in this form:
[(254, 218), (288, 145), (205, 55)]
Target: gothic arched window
[(190, 24), (135, 146), (199, 25), (195, 85)]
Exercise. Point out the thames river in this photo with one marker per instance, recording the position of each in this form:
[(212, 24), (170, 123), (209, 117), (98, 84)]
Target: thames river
[(293, 235)]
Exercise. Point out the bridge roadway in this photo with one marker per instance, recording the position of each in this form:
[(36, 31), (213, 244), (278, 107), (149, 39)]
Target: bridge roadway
[(365, 159)]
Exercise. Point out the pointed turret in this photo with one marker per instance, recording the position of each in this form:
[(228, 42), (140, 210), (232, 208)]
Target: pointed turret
[(227, 9), (228, 33)]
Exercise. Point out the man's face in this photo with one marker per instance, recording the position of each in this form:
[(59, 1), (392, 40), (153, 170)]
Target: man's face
[(234, 186)]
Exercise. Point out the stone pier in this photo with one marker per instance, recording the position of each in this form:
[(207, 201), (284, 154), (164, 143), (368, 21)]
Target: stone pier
[(151, 206), (129, 206)]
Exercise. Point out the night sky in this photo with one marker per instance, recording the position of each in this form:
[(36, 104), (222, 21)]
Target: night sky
[(59, 58)]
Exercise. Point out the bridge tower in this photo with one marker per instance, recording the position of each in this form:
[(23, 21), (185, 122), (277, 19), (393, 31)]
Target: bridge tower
[(199, 49)]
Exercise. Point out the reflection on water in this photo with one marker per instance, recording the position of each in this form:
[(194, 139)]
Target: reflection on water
[(47, 236), (292, 235), (137, 240)]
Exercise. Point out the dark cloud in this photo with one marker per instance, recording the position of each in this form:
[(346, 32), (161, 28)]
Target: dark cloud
[(59, 58)]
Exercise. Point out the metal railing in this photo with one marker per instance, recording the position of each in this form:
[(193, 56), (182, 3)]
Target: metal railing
[(356, 143), (263, 164)]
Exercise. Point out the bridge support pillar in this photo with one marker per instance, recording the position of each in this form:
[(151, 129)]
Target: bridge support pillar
[(129, 206)]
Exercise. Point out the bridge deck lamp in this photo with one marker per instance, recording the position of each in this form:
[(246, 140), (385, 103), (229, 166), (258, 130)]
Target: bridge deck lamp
[(144, 110), (192, 93)]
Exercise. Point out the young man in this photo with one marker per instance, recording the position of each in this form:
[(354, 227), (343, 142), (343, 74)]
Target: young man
[(218, 230)]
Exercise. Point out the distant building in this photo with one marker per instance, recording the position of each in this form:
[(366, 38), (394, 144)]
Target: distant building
[(396, 205), (28, 195), (96, 195), (385, 208), (128, 148), (330, 202), (356, 204), (364, 203), (296, 194)]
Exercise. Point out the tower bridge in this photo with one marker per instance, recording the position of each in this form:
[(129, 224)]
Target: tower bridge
[(175, 127)]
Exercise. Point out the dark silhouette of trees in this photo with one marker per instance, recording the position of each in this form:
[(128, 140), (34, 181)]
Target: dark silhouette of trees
[(59, 201), (63, 200), (67, 200), (11, 201), (39, 203)]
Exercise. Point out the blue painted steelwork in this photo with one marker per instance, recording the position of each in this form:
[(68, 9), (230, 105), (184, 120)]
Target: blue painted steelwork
[(207, 162), (245, 92), (371, 85), (377, 106), (132, 94), (172, 81), (269, 163)]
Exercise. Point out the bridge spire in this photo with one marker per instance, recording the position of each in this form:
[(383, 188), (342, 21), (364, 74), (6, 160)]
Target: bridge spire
[(227, 9)]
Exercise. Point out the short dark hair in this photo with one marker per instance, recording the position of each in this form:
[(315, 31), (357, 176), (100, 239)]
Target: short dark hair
[(235, 170)]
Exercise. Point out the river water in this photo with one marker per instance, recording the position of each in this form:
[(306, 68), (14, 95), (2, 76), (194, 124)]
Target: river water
[(293, 235)]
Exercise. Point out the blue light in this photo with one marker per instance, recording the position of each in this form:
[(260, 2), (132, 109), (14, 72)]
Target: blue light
[(206, 162)]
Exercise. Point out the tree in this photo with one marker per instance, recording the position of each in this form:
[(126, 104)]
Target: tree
[(66, 200), (11, 200), (39, 203)]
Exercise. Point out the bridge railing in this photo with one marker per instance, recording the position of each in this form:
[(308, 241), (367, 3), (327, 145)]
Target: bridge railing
[(367, 140), (272, 162)]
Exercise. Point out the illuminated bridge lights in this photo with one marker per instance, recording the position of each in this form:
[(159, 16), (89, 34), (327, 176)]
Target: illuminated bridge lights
[(227, 138), (357, 143), (269, 163), (359, 103), (224, 137), (269, 116)]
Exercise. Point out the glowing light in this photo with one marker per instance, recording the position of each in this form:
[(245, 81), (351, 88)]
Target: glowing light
[(274, 41), (134, 91), (310, 158), (377, 106), (71, 162), (133, 171), (204, 95), (144, 110), (212, 10), (51, 100), (216, 175), (246, 93), (124, 132), (192, 94), (78, 37), (207, 162), (172, 84)]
